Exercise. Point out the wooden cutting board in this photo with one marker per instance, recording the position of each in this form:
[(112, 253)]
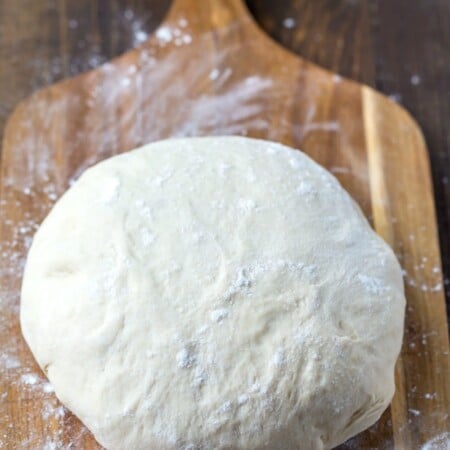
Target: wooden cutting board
[(209, 69)]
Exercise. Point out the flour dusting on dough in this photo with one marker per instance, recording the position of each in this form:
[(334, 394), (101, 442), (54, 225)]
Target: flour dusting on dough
[(33, 183)]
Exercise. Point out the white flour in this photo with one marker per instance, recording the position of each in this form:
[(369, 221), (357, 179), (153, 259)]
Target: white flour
[(440, 442), (233, 106)]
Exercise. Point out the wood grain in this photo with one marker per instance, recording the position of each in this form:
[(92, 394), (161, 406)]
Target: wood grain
[(399, 47), (173, 87), (383, 44)]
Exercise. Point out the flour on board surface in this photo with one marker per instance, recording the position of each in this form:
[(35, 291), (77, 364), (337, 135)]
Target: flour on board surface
[(237, 100)]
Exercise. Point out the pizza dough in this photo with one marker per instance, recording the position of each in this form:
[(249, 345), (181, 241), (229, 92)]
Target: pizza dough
[(214, 293)]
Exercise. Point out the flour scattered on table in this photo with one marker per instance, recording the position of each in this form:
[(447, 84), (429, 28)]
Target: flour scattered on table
[(239, 101), (29, 378), (396, 97), (415, 80), (440, 442), (164, 34), (51, 445), (169, 34), (214, 74), (135, 26), (73, 24), (48, 388), (52, 410), (289, 23), (140, 36), (9, 362)]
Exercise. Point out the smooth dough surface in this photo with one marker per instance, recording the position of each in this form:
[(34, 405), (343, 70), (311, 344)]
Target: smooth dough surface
[(214, 293)]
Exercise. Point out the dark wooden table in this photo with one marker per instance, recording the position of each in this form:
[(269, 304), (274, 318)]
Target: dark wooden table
[(400, 47)]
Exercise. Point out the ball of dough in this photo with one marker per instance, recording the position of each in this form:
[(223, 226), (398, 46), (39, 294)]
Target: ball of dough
[(214, 293)]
